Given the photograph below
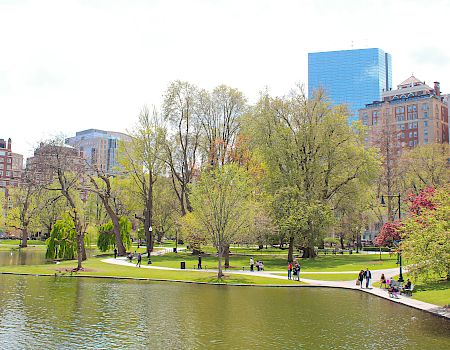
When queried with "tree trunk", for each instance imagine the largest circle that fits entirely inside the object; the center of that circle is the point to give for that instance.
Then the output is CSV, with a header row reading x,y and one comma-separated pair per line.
x,y
227,256
291,249
341,240
219,272
24,243
116,229
79,250
308,253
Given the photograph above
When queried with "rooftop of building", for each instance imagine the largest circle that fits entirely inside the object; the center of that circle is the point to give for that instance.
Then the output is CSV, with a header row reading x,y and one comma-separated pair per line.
x,y
347,51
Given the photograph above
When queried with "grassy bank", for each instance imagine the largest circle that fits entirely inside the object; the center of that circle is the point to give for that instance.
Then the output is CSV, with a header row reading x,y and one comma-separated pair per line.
x,y
330,263
95,267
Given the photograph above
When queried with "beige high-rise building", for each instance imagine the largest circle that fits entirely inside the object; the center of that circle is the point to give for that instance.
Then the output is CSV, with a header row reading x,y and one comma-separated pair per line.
x,y
416,113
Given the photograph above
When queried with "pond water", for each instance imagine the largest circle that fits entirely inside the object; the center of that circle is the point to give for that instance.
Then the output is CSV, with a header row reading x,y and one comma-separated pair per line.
x,y
64,313
87,313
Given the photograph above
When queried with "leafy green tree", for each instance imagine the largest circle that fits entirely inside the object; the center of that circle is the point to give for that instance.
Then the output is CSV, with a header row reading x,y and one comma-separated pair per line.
x,y
62,243
310,152
426,238
425,165
181,111
106,239
221,200
25,208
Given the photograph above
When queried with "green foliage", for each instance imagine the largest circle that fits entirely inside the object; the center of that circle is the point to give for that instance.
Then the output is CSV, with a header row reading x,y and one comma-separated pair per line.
x,y
426,239
62,243
106,240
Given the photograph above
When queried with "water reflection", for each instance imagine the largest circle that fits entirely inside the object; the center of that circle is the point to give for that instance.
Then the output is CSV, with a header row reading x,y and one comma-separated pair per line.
x,y
63,313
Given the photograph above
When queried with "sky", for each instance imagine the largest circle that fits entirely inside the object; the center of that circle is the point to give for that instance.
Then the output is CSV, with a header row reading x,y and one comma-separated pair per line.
x,y
67,66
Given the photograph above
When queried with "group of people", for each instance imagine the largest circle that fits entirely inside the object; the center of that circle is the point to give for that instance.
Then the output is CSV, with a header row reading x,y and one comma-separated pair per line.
x,y
395,287
130,257
259,265
364,275
294,269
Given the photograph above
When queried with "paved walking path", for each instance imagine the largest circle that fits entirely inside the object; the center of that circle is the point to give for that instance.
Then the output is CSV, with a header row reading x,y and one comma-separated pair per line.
x,y
376,274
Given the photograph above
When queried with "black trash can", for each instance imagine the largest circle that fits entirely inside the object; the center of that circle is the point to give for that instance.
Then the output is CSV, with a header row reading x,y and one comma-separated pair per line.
x,y
174,250
182,265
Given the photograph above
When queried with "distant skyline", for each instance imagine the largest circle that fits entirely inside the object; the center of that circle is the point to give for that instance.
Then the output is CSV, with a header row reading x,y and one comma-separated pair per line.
x,y
67,66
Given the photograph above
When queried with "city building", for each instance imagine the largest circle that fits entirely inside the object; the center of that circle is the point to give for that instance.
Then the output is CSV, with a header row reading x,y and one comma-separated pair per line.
x,y
99,148
48,158
415,112
351,77
11,166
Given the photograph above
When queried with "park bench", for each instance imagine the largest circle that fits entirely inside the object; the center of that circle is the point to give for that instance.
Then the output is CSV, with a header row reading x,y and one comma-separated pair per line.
x,y
408,291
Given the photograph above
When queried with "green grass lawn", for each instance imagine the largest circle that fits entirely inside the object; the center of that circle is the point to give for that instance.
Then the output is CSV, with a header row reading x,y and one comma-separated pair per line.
x,y
277,262
95,267
435,292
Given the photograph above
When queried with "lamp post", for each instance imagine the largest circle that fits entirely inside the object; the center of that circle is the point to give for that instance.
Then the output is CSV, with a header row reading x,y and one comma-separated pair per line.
x,y
399,256
150,229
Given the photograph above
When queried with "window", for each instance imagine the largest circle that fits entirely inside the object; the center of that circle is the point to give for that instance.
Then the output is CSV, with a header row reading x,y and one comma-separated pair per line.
x,y
425,115
410,134
2,153
403,126
425,106
8,174
425,141
400,110
410,126
410,143
425,123
425,132
403,135
415,133
415,125
8,160
415,142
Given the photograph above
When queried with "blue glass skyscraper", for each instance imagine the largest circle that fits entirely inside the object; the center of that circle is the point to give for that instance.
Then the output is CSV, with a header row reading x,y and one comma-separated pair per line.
x,y
352,77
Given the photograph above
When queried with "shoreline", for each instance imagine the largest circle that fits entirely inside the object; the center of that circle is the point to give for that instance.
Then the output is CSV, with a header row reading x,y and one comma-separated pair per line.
x,y
415,304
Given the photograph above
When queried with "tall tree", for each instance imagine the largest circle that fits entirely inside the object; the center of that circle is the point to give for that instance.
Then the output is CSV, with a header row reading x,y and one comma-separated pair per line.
x,y
222,206
312,153
101,185
181,110
54,160
25,207
142,161
219,113
425,165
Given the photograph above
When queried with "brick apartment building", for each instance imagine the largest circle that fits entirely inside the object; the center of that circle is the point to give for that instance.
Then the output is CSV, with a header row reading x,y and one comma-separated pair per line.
x,y
48,158
415,111
11,166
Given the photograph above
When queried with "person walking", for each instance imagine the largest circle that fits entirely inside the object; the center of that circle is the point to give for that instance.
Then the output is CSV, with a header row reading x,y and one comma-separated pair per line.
x,y
361,278
252,263
139,259
368,276
299,267
289,271
199,265
115,253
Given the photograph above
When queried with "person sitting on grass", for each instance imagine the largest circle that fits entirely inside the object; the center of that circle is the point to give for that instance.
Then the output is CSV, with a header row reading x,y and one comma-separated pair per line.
x,y
383,281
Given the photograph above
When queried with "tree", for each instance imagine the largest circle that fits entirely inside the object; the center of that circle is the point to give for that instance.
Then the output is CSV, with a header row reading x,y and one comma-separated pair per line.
x,y
62,243
311,152
220,114
101,186
25,208
222,206
426,238
106,239
142,162
389,234
55,161
181,109
425,166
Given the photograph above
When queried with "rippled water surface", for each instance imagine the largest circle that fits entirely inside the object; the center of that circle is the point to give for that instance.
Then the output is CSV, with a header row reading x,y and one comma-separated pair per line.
x,y
82,313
